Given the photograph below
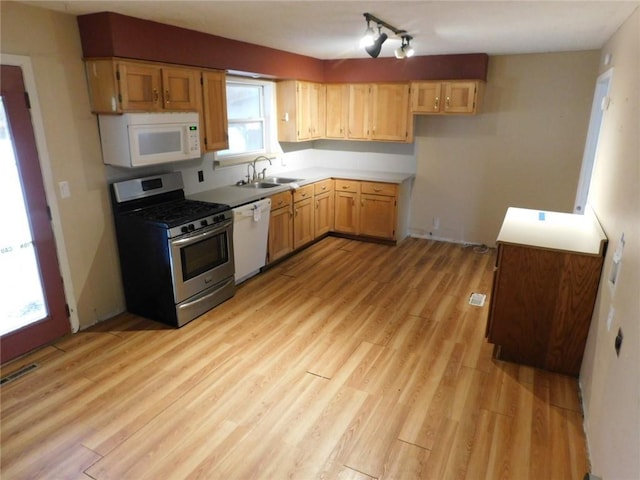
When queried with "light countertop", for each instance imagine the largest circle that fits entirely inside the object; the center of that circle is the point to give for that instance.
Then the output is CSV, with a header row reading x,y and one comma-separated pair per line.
x,y
235,196
553,230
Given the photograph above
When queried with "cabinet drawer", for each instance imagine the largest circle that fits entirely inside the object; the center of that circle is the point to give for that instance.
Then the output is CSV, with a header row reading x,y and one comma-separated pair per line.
x,y
378,188
280,200
347,185
302,193
323,186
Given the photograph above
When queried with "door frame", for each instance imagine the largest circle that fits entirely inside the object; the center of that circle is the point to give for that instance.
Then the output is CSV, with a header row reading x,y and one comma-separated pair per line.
x,y
24,63
589,157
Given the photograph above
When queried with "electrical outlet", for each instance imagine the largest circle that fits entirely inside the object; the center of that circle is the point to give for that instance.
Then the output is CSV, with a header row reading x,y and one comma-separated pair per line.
x,y
436,223
64,189
200,176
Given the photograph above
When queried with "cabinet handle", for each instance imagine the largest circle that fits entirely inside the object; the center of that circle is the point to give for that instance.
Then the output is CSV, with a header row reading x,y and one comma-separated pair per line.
x,y
344,187
362,203
448,102
155,95
324,187
296,212
377,189
317,204
436,105
166,96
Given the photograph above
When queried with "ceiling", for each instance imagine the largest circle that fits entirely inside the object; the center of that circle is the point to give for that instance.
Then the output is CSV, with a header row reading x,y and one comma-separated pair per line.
x,y
332,29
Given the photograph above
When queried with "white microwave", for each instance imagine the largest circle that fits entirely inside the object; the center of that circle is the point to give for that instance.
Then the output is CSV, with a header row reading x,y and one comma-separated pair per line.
x,y
140,139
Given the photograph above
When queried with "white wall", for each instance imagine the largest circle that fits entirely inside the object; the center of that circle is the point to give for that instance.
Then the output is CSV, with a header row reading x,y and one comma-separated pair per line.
x,y
611,384
523,149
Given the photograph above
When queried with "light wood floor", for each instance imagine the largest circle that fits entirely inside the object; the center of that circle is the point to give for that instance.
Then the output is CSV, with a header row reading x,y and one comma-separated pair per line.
x,y
350,360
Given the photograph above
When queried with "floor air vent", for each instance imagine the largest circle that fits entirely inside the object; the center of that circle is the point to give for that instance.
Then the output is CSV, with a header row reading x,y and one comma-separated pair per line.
x,y
477,299
18,373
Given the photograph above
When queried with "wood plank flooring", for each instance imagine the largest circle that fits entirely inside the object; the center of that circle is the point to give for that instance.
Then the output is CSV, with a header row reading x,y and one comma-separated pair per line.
x,y
350,360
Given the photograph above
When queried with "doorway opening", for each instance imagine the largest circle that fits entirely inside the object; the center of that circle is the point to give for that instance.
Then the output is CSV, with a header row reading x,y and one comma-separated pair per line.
x,y
598,107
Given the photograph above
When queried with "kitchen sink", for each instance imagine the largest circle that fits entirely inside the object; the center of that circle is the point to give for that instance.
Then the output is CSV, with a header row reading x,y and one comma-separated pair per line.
x,y
281,180
259,185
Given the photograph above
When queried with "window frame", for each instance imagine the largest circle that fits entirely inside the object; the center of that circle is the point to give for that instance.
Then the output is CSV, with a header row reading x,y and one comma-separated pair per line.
x,y
268,118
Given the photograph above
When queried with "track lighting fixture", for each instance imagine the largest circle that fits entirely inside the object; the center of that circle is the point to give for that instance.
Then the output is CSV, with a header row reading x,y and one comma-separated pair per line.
x,y
405,50
373,44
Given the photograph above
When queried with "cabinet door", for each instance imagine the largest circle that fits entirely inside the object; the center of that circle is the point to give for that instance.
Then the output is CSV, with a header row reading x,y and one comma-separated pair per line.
x,y
377,216
180,88
425,97
103,85
460,97
140,87
337,111
280,233
215,126
390,108
302,222
358,118
303,101
316,110
324,213
347,212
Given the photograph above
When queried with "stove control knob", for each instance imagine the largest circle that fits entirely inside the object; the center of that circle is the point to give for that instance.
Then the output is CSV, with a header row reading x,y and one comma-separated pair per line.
x,y
191,227
184,229
204,223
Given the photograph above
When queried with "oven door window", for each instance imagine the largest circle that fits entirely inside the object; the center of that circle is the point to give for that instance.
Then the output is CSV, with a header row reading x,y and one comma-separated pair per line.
x,y
204,255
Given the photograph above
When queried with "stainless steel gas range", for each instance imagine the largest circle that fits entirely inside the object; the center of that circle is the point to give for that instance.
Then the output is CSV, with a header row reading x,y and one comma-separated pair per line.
x,y
176,255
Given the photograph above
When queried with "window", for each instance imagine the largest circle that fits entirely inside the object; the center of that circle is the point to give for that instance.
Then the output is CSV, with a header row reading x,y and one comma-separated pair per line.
x,y
249,114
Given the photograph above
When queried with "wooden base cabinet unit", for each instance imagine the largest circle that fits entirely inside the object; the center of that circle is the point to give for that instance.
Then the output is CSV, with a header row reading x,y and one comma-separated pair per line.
x,y
347,200
280,226
303,216
378,210
544,289
367,209
324,207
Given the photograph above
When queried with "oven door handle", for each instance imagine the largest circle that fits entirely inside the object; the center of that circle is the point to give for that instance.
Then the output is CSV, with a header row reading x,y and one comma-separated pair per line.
x,y
206,297
201,236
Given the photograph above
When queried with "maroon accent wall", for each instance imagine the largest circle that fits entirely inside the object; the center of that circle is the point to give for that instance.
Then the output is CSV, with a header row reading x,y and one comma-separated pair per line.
x,y
431,67
108,34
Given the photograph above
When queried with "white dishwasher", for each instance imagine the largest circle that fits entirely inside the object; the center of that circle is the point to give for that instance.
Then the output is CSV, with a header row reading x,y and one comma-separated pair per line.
x,y
250,233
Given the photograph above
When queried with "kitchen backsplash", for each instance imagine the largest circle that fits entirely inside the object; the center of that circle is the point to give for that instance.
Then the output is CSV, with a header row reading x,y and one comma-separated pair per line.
x,y
366,156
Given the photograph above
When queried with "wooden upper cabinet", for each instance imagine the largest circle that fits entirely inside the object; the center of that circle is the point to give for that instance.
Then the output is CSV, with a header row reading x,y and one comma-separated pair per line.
x,y
140,87
450,97
301,110
118,86
358,117
379,111
214,111
180,88
337,110
390,108
425,97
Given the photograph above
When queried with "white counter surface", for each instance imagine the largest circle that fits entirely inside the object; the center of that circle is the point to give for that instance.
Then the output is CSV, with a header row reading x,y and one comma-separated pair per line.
x,y
553,230
235,196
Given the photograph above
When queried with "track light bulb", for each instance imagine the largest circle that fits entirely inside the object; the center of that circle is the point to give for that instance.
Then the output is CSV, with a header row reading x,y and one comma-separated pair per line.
x,y
368,38
409,51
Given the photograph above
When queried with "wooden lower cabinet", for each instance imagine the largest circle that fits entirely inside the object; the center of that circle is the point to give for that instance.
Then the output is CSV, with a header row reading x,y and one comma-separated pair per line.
x,y
280,227
303,216
347,216
377,216
324,208
541,306
366,208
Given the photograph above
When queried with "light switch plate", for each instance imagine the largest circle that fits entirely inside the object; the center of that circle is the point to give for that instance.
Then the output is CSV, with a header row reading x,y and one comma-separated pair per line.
x,y
64,189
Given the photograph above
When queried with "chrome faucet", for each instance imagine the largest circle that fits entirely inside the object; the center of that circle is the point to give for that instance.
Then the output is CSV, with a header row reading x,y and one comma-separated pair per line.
x,y
255,176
